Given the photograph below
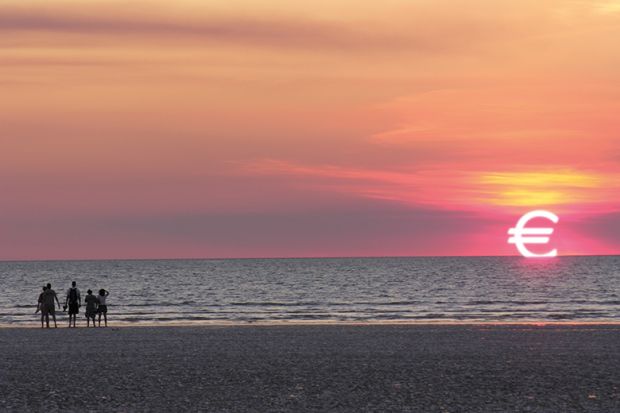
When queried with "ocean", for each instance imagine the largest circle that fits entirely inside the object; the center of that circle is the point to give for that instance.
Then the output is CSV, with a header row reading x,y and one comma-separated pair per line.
x,y
420,289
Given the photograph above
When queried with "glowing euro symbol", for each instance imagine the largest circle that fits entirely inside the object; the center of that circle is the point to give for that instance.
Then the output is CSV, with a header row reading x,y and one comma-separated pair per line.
x,y
519,233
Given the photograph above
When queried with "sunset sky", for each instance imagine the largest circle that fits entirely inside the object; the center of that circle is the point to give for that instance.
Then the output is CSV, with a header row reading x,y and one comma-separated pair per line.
x,y
276,128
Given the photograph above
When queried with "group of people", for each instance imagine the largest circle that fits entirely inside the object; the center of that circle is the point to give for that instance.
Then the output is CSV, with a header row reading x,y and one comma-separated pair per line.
x,y
95,305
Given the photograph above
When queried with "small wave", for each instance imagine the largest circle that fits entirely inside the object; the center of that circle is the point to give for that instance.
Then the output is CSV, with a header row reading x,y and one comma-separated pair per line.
x,y
160,304
495,302
385,303
481,302
272,303
561,316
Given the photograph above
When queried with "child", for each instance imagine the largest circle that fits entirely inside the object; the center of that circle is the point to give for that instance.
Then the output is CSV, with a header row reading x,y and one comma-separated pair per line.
x,y
103,308
91,307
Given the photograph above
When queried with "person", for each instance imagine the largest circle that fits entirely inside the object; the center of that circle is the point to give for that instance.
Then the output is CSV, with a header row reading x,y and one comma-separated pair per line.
x,y
91,307
39,304
74,301
103,308
47,306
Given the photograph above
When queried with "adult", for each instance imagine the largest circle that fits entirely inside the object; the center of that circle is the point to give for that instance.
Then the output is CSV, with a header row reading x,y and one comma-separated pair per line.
x,y
74,301
103,308
40,304
91,307
48,307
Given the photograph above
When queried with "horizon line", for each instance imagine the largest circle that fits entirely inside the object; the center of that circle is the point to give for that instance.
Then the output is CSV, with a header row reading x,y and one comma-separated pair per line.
x,y
295,257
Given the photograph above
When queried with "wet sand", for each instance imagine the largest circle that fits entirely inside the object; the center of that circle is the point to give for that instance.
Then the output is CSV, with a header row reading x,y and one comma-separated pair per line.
x,y
352,368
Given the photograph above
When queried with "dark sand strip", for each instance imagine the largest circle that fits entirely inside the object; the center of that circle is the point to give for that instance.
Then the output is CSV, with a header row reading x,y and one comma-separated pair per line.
x,y
434,368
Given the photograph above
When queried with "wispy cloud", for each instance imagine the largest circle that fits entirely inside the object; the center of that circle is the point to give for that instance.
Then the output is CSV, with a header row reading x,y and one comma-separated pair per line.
x,y
460,188
417,29
575,190
257,30
274,32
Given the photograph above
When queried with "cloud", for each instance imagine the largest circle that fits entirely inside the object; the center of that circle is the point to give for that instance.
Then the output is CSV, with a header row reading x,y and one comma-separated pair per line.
x,y
251,30
401,186
220,28
459,187
417,28
602,229
532,124
359,229
607,7
606,226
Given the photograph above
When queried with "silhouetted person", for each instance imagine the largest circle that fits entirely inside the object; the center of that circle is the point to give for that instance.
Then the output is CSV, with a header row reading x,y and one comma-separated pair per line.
x,y
74,301
47,306
40,304
103,308
91,307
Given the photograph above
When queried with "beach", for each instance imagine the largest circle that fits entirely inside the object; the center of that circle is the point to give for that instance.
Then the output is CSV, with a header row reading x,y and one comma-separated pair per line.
x,y
348,368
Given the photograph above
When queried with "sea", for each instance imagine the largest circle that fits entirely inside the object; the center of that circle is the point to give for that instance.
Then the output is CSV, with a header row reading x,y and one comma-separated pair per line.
x,y
345,290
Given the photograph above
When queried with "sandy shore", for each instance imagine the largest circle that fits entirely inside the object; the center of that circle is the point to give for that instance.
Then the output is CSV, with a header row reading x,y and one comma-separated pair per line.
x,y
435,368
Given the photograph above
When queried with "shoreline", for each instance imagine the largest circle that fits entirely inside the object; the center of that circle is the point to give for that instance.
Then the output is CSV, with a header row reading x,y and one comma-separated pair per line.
x,y
301,323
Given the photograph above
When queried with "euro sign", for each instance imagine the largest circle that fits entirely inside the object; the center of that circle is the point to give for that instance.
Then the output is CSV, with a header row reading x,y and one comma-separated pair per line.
x,y
521,235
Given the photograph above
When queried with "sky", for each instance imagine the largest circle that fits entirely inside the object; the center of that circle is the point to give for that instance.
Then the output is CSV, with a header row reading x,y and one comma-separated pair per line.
x,y
197,129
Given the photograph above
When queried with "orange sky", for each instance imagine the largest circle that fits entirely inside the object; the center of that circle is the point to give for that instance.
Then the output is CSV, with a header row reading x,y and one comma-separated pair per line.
x,y
278,128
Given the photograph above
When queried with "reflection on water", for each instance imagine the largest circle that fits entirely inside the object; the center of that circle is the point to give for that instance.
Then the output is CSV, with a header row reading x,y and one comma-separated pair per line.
x,y
345,289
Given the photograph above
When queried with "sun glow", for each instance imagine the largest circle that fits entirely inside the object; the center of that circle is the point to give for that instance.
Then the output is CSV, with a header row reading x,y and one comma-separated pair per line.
x,y
518,189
